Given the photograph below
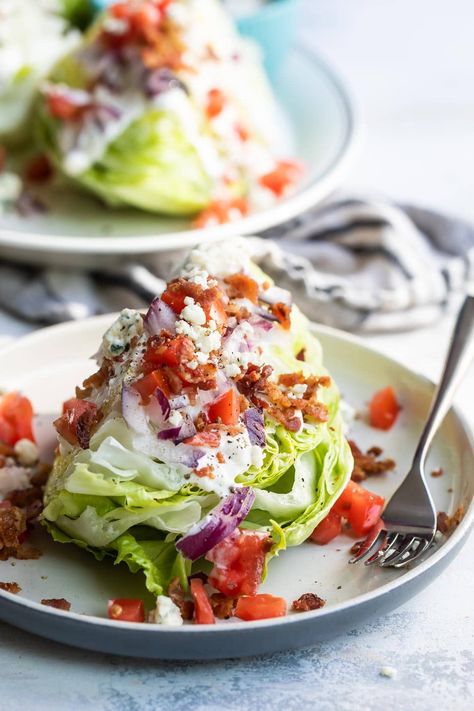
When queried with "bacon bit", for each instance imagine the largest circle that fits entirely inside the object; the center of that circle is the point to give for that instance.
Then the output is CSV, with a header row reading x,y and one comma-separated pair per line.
x,y
301,355
220,457
12,526
205,471
39,170
27,553
13,588
223,607
366,465
242,132
3,158
308,601
41,474
176,593
239,312
446,524
242,286
254,380
437,472
6,450
96,380
25,497
208,438
58,603
282,311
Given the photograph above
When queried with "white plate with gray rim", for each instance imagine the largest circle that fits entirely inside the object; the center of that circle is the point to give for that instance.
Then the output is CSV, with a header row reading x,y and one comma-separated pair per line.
x,y
48,364
321,120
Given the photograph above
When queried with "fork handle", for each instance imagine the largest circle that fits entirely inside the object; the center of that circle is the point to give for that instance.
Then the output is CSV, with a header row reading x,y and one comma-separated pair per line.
x,y
458,360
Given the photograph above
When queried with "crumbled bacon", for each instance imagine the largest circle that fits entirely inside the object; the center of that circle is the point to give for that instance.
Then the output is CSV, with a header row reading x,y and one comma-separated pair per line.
x,y
223,607
96,380
220,457
368,464
205,471
446,524
241,286
301,355
13,588
58,603
308,601
437,472
282,311
254,380
12,526
176,593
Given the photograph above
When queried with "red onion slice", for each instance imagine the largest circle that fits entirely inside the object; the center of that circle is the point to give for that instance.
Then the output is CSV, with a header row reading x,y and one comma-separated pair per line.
x,y
172,433
217,525
163,402
159,317
253,419
276,295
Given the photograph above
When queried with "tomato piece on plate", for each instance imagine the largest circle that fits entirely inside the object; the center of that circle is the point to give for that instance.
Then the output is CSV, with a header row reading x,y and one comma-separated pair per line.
x,y
126,609
226,408
62,107
361,507
327,529
221,211
215,103
260,607
203,614
384,408
238,562
16,418
285,174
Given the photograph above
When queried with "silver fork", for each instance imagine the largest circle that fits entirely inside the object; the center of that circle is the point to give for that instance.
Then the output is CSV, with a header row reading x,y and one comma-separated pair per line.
x,y
409,519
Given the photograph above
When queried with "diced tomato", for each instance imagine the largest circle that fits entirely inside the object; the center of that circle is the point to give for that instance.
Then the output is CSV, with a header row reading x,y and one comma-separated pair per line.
x,y
285,174
221,211
384,408
362,508
61,106
238,562
121,10
174,299
126,610
242,132
73,410
204,439
203,614
215,102
147,385
39,169
173,353
226,408
260,607
16,418
327,529
147,15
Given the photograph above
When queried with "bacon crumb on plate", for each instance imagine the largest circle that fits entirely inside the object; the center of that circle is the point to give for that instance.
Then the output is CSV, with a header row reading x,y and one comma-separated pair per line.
x,y
223,607
369,464
446,524
437,472
58,603
13,588
308,601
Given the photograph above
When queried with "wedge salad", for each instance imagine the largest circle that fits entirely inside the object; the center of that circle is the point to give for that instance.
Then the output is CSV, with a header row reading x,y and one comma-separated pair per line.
x,y
164,107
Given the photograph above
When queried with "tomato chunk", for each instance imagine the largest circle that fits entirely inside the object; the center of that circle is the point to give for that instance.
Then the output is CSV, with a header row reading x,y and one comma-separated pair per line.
x,y
362,508
204,439
221,211
327,529
174,299
126,609
203,614
226,408
285,174
173,353
62,107
260,607
147,385
384,408
238,562
16,418
215,102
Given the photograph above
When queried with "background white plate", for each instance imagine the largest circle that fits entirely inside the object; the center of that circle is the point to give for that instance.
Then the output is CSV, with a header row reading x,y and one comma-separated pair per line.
x,y
48,364
321,118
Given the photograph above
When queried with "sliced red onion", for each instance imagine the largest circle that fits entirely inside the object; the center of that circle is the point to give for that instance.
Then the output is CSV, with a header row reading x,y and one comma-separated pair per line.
x,y
179,401
161,80
276,295
217,525
266,315
132,410
163,402
253,419
187,428
259,322
158,317
193,456
173,433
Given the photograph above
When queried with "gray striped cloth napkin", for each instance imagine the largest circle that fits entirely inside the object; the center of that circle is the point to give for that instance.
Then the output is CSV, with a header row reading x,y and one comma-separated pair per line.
x,y
360,264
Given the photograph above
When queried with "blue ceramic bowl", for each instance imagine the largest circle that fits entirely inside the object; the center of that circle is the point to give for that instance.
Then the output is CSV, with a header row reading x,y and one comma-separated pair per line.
x,y
272,27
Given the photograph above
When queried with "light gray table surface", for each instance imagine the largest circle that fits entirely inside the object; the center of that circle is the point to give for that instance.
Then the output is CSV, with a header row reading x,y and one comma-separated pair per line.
x,y
411,65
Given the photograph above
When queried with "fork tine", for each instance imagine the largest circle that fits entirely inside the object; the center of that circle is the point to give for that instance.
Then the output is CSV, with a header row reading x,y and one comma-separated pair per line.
x,y
384,549
406,544
368,547
420,549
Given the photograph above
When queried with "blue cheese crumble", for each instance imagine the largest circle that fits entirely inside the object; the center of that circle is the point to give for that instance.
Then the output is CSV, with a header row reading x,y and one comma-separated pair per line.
x,y
118,337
